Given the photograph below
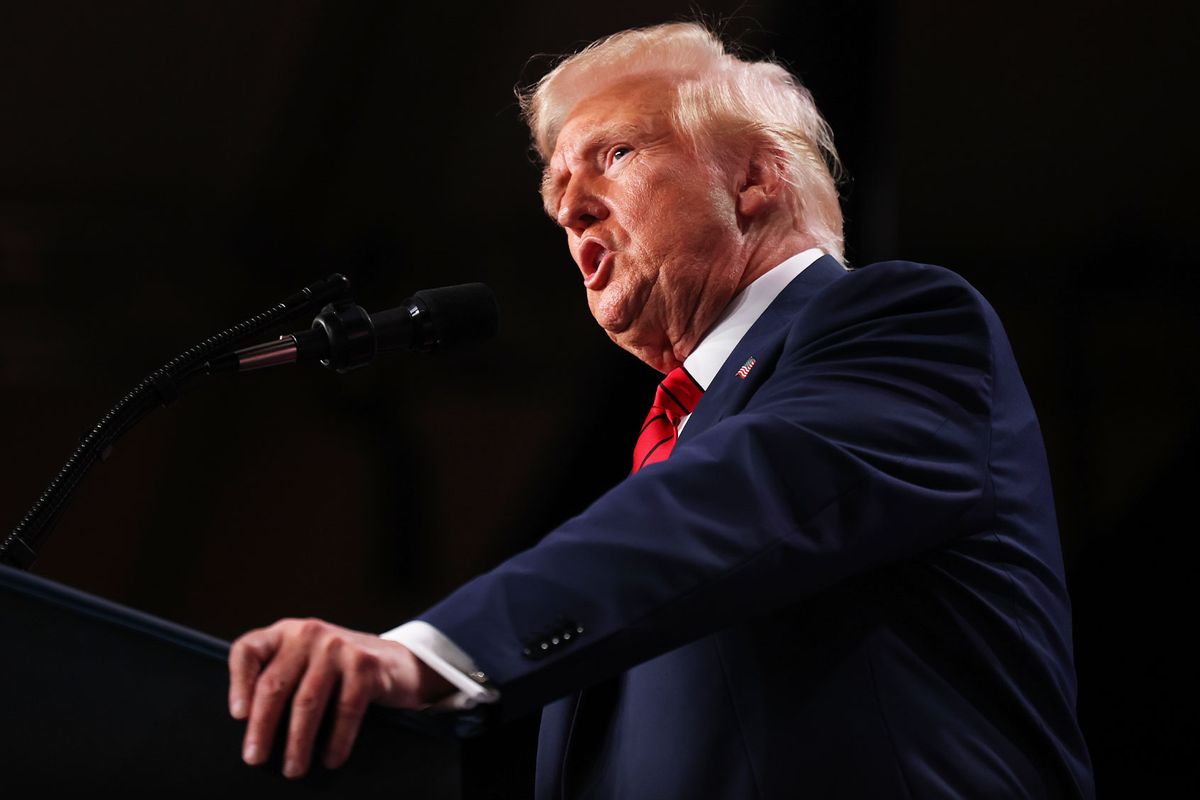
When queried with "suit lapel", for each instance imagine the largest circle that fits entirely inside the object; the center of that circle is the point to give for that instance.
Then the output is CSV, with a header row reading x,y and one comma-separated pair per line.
x,y
729,391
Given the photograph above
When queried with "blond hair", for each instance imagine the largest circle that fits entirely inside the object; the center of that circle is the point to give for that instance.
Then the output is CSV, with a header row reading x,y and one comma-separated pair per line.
x,y
721,101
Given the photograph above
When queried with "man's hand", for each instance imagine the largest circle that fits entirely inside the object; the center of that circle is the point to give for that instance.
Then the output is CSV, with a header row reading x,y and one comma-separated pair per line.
x,y
306,661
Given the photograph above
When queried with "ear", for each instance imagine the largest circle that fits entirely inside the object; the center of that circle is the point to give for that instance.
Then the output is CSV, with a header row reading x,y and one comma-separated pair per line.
x,y
760,184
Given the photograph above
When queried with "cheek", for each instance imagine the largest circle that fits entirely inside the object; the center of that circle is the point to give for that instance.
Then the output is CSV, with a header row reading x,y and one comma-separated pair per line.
x,y
659,232
660,228
647,201
680,214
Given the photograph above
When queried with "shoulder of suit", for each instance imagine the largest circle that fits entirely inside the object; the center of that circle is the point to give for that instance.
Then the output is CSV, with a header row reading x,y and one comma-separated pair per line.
x,y
904,277
890,288
911,268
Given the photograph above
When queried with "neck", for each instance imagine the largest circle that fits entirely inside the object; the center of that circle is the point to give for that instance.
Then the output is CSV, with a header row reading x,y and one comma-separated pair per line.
x,y
763,253
769,252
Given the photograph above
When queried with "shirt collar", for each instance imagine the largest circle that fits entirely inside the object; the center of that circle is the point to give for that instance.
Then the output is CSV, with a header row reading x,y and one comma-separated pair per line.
x,y
741,313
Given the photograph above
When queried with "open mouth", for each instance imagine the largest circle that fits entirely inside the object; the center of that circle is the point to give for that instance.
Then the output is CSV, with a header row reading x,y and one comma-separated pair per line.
x,y
594,261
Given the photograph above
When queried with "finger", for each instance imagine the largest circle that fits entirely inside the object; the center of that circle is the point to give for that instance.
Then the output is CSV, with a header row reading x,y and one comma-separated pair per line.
x,y
247,656
271,693
308,707
353,698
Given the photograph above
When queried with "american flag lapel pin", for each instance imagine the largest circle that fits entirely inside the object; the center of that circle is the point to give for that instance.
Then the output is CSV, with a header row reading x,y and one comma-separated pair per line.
x,y
745,368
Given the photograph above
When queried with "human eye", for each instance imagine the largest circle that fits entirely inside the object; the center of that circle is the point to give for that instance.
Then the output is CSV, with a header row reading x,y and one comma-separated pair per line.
x,y
617,153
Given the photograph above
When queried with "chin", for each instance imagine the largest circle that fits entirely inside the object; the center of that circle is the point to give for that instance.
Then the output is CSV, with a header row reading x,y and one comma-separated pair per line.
x,y
613,314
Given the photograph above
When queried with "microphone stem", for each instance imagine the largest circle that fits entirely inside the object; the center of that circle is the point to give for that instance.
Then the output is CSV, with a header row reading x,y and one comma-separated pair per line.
x,y
267,354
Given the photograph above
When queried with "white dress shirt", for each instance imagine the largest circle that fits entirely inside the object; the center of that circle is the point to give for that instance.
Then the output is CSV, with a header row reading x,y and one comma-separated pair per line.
x,y
442,655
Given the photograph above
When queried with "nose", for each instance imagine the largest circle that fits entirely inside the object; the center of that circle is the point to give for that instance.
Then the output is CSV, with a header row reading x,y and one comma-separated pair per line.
x,y
581,206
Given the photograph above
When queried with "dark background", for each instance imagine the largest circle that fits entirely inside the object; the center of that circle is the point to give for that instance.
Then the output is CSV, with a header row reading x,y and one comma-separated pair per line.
x,y
167,169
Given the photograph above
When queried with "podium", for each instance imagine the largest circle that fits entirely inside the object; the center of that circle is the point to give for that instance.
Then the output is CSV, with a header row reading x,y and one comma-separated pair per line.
x,y
96,696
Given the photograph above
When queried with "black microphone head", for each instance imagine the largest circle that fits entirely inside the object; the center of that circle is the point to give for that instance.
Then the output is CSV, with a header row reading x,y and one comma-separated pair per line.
x,y
459,314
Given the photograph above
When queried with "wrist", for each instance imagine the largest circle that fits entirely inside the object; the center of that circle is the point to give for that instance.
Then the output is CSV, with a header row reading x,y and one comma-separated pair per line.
x,y
428,685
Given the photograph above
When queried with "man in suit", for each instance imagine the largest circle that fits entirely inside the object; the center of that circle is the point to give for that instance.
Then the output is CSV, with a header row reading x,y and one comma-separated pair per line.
x,y
834,571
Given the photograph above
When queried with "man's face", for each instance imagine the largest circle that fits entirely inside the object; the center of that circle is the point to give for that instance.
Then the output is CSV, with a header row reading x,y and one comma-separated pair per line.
x,y
651,226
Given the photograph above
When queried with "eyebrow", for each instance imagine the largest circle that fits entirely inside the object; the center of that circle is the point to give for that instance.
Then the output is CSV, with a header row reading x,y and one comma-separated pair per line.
x,y
549,182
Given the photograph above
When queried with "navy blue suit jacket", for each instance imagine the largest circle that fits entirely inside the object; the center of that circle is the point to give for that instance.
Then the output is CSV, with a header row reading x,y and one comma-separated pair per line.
x,y
846,581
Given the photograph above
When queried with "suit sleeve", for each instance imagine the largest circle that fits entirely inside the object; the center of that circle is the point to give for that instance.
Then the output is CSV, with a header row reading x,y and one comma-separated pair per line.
x,y
865,442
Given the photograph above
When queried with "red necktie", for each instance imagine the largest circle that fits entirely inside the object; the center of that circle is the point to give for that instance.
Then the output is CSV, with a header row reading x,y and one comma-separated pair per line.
x,y
677,395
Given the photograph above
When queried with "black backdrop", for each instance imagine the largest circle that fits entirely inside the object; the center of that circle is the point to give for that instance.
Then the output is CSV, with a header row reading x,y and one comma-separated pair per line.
x,y
169,168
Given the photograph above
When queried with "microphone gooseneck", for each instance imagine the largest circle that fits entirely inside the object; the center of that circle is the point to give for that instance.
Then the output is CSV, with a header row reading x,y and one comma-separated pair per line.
x,y
342,337
21,546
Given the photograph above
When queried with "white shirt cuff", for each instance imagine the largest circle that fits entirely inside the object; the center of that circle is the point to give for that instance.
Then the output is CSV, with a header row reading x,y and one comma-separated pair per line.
x,y
446,659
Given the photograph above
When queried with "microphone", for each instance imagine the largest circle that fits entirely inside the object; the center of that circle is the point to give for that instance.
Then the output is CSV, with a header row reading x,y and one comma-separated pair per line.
x,y
344,336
